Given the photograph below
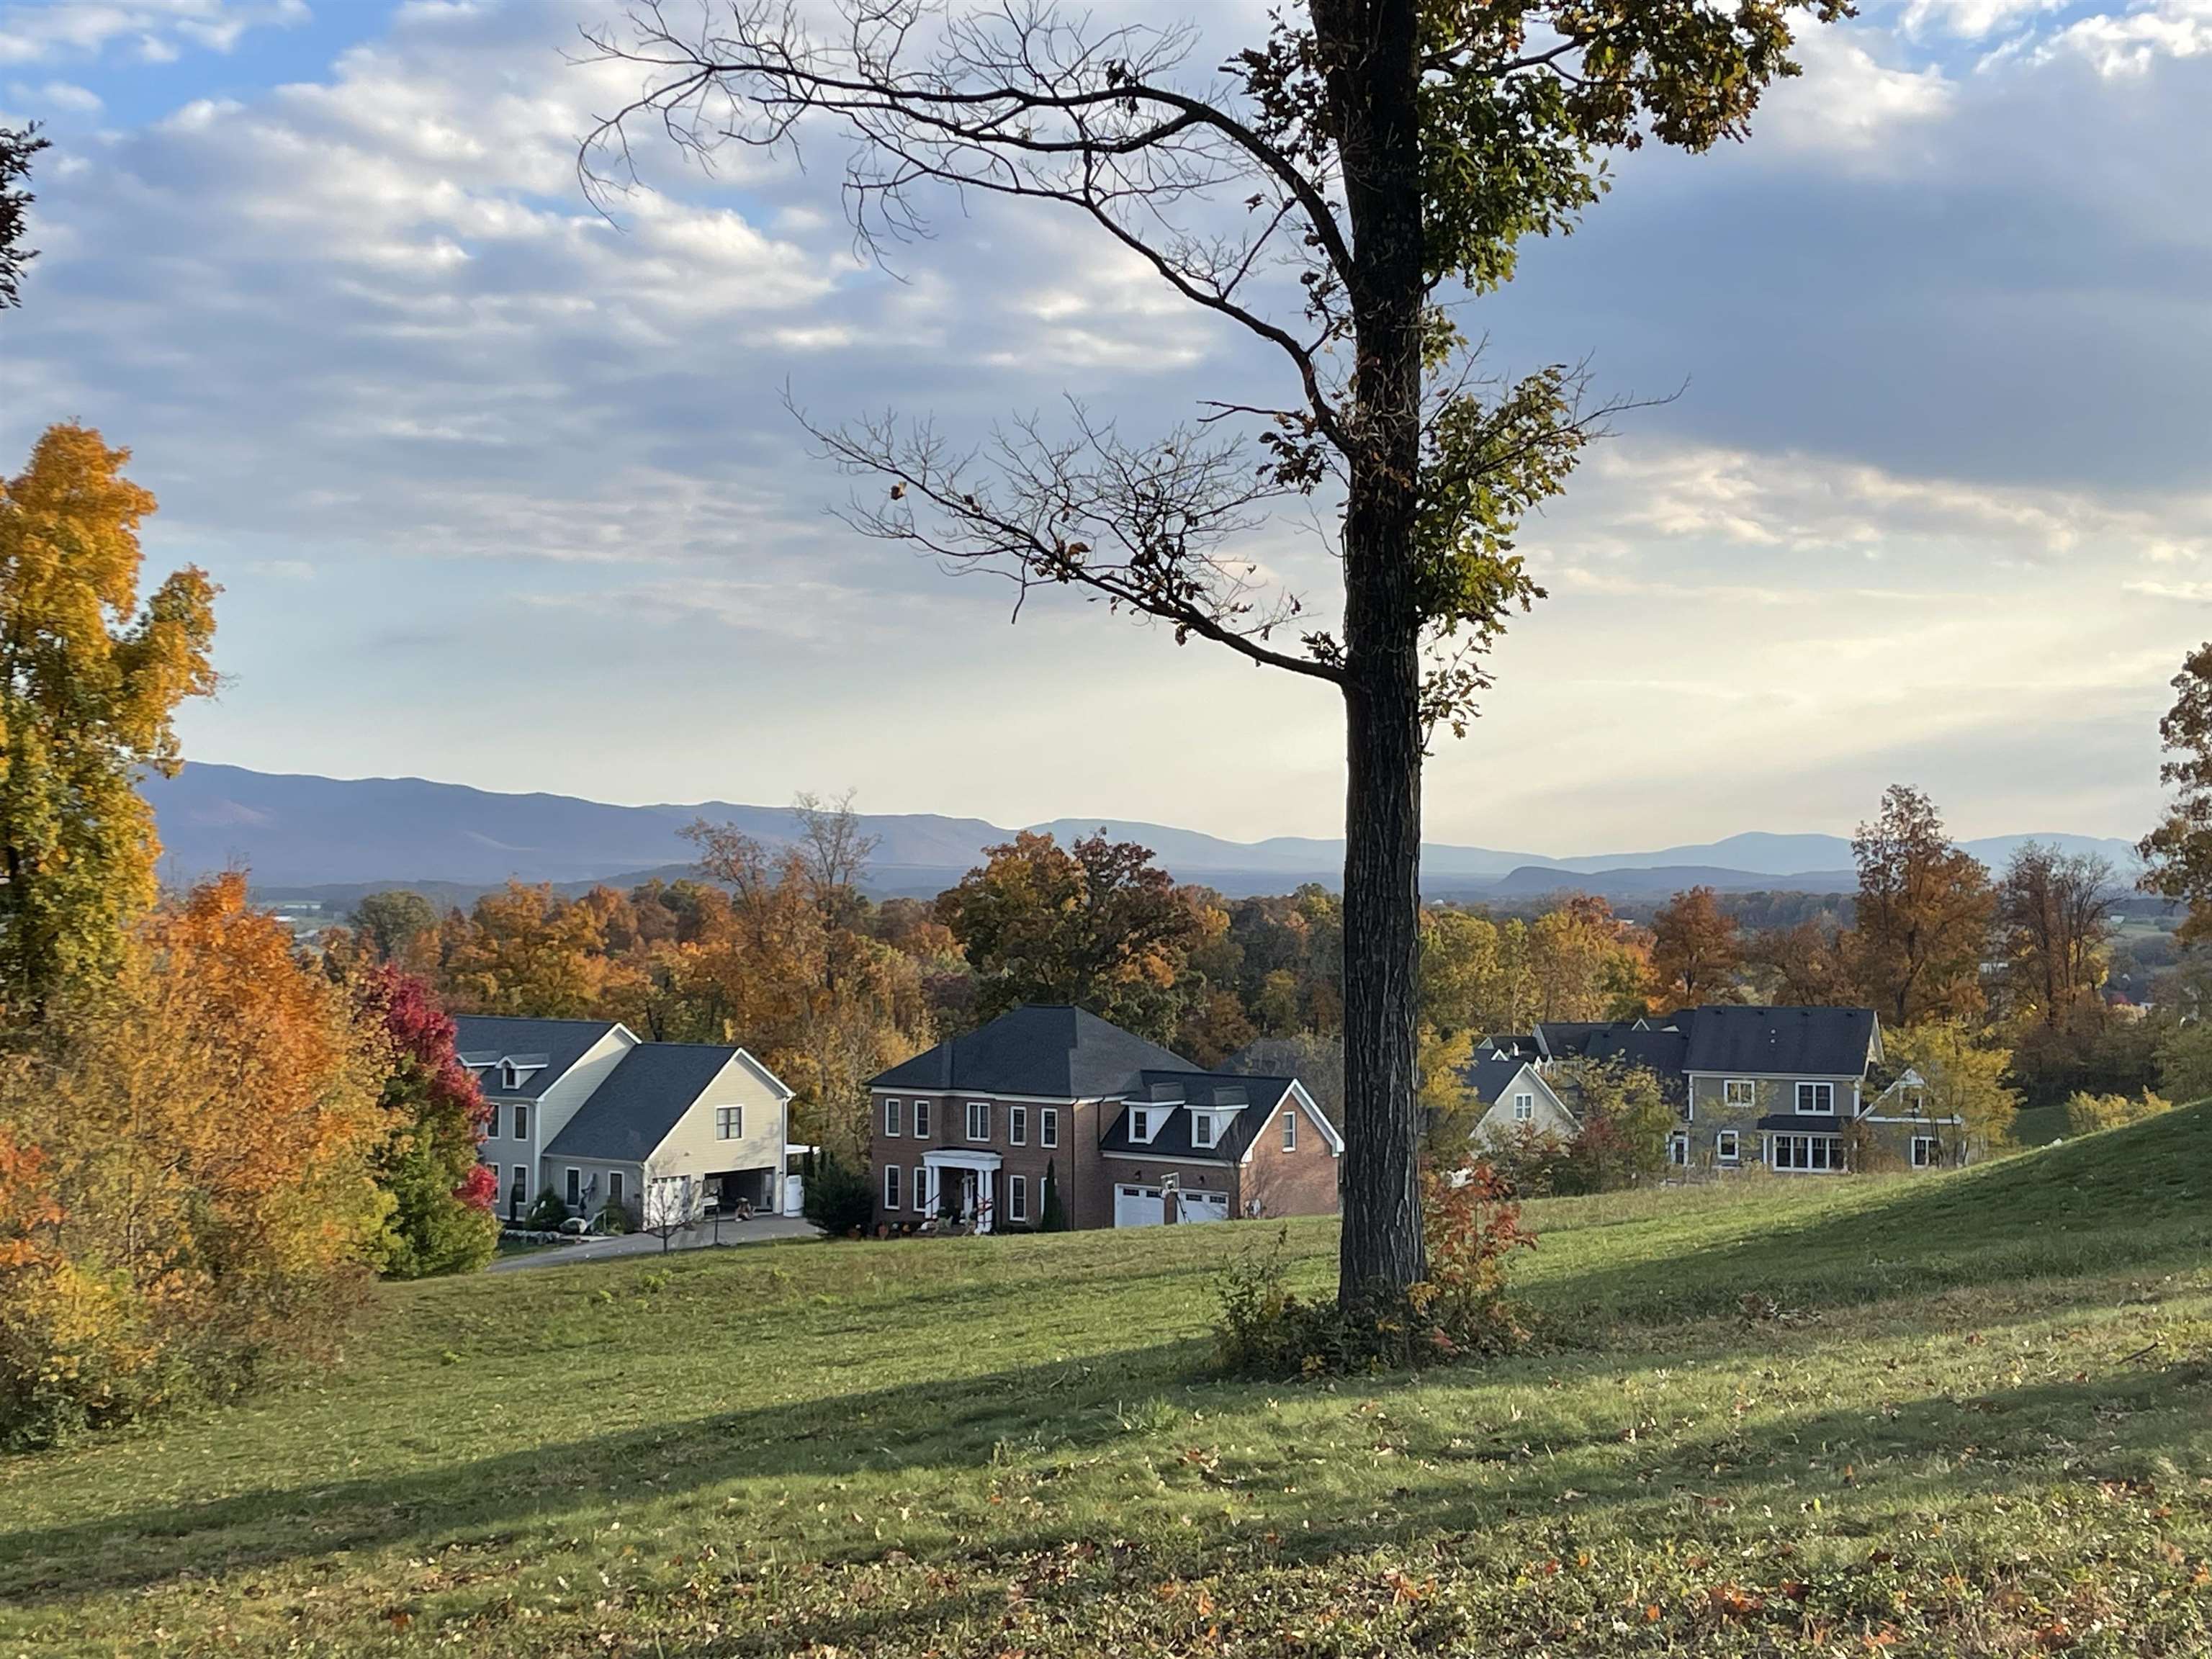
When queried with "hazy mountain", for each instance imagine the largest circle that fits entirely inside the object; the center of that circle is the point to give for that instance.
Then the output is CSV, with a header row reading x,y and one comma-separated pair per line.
x,y
299,831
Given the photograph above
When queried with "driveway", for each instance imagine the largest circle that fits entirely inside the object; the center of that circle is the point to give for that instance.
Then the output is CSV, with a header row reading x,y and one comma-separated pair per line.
x,y
761,1230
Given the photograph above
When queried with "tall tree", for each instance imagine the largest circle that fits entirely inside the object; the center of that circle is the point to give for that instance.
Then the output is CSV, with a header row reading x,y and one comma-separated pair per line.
x,y
1696,952
1921,925
398,927
90,681
1390,154
2055,914
1099,925
17,146
2178,855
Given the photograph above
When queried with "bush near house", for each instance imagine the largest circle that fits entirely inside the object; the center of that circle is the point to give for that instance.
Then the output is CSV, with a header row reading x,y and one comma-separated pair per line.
x,y
839,1198
2087,1114
546,1212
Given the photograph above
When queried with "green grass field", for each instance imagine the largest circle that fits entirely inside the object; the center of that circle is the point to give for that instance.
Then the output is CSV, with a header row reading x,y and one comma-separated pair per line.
x,y
1965,1414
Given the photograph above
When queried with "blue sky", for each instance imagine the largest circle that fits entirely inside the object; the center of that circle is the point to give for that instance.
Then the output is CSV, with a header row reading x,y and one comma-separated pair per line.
x,y
502,494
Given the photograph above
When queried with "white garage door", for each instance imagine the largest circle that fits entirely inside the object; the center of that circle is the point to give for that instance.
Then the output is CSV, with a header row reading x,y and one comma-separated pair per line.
x,y
1137,1207
1202,1206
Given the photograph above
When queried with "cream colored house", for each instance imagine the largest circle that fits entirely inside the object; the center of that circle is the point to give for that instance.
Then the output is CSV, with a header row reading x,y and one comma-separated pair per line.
x,y
585,1109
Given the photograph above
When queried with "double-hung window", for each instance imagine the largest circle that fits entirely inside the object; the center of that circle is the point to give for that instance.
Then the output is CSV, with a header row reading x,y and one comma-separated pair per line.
x,y
1205,1129
1677,1150
575,1188
921,1120
729,1123
522,1123
1018,1199
979,1119
1141,1124
1048,1126
1728,1146
1816,1099
1924,1151
920,1189
890,1186
1017,1126
1738,1094
890,1117
1524,1108
1290,1129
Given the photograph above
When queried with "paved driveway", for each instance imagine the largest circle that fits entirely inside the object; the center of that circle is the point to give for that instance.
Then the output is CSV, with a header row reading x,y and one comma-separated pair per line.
x,y
761,1230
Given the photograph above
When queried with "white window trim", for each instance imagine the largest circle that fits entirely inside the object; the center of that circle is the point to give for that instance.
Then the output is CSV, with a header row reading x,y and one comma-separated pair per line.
x,y
1140,1124
614,1185
918,1197
1805,1088
1290,1128
1751,1094
1211,1137
1677,1150
1777,1139
521,1121
1018,1198
572,1181
921,1120
890,1186
891,1118
1925,1151
1728,1146
1017,1126
979,1111
1524,1107
1048,1126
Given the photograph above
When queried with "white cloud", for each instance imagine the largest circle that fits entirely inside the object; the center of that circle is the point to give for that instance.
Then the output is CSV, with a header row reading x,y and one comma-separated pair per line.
x,y
60,95
2128,43
32,34
1848,100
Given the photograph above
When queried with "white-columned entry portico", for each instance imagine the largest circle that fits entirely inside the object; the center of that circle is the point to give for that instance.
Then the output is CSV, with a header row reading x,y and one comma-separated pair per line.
x,y
968,1179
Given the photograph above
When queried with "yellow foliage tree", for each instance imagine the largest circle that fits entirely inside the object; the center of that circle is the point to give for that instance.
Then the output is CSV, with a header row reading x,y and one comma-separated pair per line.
x,y
90,681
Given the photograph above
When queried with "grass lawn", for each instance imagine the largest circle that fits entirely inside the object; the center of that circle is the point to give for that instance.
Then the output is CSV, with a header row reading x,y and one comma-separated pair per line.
x,y
1965,1414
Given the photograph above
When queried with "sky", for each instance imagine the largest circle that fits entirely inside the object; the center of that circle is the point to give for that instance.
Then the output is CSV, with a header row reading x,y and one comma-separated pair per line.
x,y
502,491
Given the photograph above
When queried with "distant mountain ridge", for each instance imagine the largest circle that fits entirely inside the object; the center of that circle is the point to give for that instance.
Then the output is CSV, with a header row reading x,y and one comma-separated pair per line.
x,y
293,830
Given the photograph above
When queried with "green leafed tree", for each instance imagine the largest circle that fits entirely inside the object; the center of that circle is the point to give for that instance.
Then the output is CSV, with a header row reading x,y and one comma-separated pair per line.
x,y
90,679
1333,187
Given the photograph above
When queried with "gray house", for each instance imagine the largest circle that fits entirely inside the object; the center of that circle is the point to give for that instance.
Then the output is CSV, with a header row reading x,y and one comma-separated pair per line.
x,y
1797,1091
584,1108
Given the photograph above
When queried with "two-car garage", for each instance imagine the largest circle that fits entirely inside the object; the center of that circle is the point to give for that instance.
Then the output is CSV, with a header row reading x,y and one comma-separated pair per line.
x,y
1138,1205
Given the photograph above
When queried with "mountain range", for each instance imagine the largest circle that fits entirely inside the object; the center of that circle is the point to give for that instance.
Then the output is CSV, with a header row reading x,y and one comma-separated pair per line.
x,y
298,833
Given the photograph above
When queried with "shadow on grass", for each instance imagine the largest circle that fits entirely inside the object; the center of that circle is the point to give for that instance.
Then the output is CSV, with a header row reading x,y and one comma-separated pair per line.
x,y
1045,1412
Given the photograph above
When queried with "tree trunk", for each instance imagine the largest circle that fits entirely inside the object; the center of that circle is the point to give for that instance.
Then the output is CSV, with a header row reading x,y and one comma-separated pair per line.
x,y
1368,47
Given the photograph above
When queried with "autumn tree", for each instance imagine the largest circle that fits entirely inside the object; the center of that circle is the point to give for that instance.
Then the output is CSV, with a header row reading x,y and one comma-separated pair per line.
x,y
400,927
1099,925
2054,915
1585,963
1390,156
2177,855
1921,925
1965,1079
442,1196
526,950
205,1127
17,146
1696,951
1801,965
90,679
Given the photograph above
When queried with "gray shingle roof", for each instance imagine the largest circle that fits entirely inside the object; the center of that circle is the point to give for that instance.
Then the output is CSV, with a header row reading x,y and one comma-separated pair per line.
x,y
1048,1050
552,1045
1491,1075
1801,1042
632,1112
1180,1092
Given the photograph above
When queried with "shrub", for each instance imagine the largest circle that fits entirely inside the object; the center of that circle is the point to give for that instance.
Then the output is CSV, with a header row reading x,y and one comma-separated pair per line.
x,y
546,1211
1528,1160
1460,1310
614,1217
839,1198
2087,1114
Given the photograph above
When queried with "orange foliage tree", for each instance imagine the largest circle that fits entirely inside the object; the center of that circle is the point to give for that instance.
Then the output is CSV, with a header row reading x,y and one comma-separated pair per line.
x,y
203,1189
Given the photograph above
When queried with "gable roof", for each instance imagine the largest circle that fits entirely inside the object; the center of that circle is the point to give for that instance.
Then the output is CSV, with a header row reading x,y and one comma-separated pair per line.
x,y
1664,1050
631,1113
551,1045
1048,1050
1806,1042
1255,1100
1491,1075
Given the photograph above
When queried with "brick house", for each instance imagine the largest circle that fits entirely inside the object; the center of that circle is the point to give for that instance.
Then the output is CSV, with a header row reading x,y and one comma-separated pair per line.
x,y
1133,1134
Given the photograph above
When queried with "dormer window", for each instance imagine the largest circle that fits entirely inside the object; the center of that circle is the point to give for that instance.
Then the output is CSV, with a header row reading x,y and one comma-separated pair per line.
x,y
509,1074
1141,1124
1205,1129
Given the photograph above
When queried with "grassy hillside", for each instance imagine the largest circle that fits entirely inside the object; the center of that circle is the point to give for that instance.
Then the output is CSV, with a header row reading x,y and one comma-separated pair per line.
x,y
1963,1414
